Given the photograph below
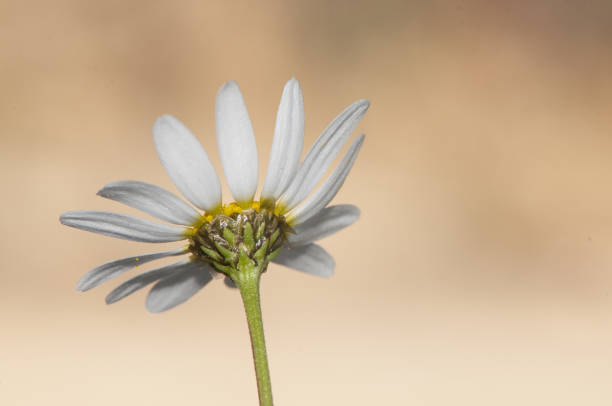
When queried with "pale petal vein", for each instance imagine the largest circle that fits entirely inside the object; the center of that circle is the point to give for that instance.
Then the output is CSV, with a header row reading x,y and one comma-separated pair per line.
x,y
329,221
330,187
288,142
178,287
122,226
109,270
311,258
151,199
187,163
138,282
236,143
322,153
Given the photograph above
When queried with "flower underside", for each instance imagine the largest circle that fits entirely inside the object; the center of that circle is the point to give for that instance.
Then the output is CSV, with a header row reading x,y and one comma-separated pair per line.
x,y
236,238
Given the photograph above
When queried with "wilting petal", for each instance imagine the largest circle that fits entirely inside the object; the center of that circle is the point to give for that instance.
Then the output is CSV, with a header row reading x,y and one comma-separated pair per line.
x,y
288,142
329,221
322,153
328,190
236,143
138,282
187,163
178,287
310,258
115,268
152,200
122,226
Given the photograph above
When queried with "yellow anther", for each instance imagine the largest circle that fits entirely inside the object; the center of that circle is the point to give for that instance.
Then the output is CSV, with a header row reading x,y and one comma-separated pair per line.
x,y
231,208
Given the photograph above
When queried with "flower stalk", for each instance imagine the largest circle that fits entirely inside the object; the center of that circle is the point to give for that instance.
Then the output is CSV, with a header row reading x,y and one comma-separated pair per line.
x,y
247,279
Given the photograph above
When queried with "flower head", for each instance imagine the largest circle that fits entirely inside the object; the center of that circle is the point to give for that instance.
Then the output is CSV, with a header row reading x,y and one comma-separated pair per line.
x,y
280,227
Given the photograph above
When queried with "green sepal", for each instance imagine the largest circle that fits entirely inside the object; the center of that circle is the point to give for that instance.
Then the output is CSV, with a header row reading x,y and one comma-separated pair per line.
x,y
274,253
274,237
260,254
229,236
260,231
245,263
211,253
226,269
229,256
247,236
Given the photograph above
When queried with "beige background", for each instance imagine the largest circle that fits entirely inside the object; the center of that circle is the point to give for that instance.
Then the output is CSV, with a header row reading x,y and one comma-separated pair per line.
x,y
479,274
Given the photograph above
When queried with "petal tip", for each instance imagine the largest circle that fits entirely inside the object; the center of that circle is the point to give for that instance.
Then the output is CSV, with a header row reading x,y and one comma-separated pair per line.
x,y
361,107
228,86
82,286
165,120
151,310
330,271
155,306
161,120
64,218
356,212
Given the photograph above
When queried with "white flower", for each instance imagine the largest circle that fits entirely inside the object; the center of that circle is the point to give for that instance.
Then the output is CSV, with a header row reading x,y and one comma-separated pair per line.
x,y
282,226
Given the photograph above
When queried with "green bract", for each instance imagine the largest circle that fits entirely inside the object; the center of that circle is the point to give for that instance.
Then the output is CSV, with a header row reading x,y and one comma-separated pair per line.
x,y
248,238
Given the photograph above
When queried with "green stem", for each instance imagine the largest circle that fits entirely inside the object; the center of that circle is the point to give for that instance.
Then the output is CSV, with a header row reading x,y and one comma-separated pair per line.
x,y
248,283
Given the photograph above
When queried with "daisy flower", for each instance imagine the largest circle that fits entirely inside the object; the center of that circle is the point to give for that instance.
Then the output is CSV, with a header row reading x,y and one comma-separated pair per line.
x,y
237,239
278,228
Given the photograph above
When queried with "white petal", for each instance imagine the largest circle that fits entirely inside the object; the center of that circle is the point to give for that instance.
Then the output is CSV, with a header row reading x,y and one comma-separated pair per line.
x,y
122,226
322,153
187,163
115,268
311,258
329,221
236,143
288,142
328,190
178,287
152,200
138,282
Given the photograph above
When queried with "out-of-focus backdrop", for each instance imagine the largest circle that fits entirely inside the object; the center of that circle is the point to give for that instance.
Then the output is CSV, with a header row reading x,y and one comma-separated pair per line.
x,y
480,272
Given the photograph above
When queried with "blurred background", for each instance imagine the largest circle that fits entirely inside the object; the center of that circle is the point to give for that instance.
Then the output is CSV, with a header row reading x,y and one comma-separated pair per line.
x,y
480,272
